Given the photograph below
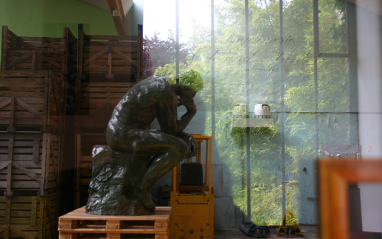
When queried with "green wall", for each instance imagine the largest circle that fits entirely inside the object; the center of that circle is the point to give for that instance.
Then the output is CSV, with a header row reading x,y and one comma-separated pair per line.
x,y
47,18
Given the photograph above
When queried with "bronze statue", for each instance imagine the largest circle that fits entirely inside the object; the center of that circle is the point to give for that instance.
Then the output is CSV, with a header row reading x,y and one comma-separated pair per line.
x,y
136,157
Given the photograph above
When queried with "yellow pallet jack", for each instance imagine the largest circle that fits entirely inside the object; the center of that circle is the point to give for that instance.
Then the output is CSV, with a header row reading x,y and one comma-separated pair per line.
x,y
289,226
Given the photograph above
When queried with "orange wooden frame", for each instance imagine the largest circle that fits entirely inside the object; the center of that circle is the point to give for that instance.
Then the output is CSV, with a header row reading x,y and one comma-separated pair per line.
x,y
334,177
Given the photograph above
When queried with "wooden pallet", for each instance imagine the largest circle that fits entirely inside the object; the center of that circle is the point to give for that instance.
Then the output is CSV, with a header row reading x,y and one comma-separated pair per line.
x,y
29,163
110,58
28,217
84,146
96,103
78,224
39,53
31,99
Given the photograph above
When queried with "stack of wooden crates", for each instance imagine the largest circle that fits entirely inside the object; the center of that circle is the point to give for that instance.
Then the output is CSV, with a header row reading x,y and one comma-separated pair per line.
x,y
35,79
44,84
108,67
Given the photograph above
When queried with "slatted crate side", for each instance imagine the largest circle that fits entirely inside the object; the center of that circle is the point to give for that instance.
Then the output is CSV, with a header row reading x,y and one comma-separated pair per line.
x,y
110,57
140,55
23,98
51,153
48,228
35,59
84,146
86,142
57,99
31,99
28,217
14,111
122,58
22,167
10,41
85,170
97,101
36,53
86,123
29,162
43,54
98,94
70,42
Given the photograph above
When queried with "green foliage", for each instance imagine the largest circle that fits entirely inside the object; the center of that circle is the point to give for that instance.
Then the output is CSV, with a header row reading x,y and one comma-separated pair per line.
x,y
190,78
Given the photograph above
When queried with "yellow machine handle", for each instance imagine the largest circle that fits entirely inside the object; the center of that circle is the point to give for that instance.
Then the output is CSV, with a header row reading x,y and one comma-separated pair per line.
x,y
294,185
287,193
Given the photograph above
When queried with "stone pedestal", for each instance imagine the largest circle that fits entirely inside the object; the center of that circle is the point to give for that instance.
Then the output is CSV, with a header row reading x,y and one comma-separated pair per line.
x,y
115,176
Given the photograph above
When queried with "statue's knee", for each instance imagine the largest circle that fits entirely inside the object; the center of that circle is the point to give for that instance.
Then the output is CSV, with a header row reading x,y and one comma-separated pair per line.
x,y
182,148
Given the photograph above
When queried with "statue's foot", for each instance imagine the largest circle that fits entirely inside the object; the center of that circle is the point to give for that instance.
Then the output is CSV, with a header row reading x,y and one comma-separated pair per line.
x,y
145,198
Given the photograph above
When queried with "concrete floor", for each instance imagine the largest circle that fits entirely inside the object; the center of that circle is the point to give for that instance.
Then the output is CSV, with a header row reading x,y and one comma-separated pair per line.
x,y
308,232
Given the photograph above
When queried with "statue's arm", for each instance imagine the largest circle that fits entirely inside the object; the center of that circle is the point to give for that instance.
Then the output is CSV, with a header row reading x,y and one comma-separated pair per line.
x,y
168,117
186,118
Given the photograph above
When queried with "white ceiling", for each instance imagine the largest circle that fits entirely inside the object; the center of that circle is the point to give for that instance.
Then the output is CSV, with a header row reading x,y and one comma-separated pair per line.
x,y
371,5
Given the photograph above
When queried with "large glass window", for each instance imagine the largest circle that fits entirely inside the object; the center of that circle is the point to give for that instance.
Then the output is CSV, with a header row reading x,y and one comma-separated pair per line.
x,y
291,55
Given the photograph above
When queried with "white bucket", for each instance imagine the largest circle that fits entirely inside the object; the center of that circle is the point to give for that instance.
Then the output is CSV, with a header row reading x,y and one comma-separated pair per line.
x,y
262,111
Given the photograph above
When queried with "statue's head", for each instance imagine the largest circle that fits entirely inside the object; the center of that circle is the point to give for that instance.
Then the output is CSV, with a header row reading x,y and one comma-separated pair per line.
x,y
191,79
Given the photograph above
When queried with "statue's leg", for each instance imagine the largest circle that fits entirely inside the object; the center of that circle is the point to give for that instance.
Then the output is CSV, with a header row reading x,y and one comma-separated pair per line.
x,y
167,152
172,151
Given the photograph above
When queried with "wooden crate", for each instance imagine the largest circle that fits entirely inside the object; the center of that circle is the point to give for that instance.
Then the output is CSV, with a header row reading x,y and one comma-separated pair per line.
x,y
39,53
29,163
96,103
28,217
78,224
110,58
33,99
84,146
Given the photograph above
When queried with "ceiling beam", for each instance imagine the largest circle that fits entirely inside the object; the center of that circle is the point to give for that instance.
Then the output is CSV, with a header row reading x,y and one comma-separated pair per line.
x,y
118,8
117,16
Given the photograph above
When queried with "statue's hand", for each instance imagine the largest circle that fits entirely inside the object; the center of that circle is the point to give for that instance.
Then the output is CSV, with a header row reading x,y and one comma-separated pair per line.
x,y
192,147
188,103
191,144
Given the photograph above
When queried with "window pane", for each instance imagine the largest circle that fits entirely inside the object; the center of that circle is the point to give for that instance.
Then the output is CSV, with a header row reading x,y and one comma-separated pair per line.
x,y
332,26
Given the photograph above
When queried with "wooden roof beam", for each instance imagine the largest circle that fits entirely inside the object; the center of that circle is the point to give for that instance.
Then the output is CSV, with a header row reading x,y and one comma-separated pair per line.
x,y
119,9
